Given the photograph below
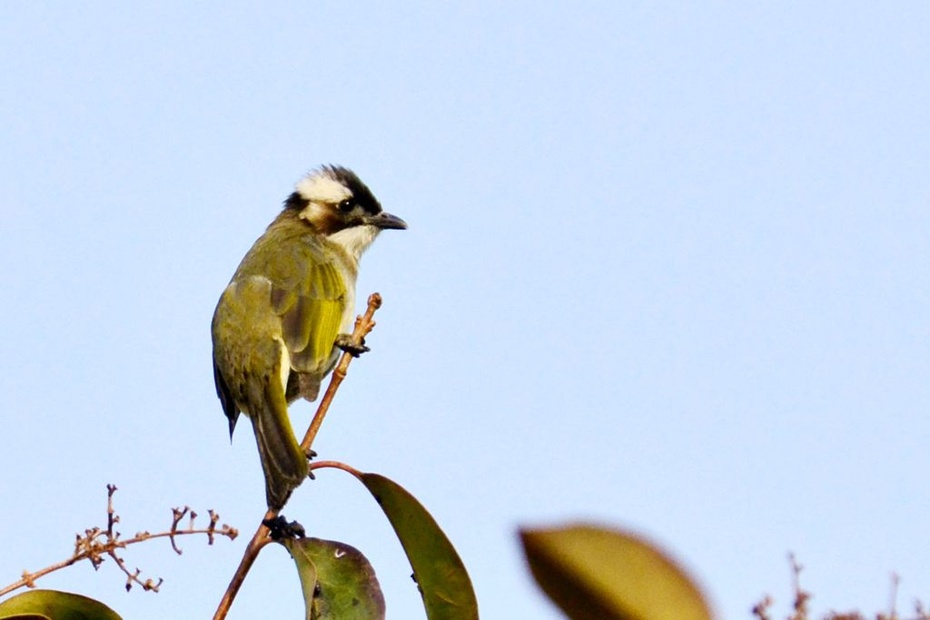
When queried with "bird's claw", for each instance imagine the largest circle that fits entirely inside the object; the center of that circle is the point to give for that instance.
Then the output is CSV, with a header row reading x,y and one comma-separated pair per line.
x,y
350,345
310,454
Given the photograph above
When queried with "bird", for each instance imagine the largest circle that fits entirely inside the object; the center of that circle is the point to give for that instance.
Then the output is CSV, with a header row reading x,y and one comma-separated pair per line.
x,y
280,324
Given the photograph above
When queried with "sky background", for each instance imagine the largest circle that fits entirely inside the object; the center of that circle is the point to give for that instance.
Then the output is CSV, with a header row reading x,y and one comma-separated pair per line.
x,y
666,270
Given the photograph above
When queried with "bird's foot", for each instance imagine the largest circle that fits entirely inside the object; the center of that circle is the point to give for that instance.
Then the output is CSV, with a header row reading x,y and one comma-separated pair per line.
x,y
279,528
350,345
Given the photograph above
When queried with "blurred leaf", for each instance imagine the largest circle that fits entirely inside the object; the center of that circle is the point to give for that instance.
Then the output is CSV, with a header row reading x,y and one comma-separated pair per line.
x,y
337,580
441,576
594,573
56,606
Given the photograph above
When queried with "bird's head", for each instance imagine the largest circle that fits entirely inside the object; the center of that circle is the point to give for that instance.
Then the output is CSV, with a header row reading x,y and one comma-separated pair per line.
x,y
338,205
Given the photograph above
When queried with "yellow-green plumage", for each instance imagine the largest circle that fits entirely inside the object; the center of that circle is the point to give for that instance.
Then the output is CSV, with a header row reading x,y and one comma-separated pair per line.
x,y
273,334
276,325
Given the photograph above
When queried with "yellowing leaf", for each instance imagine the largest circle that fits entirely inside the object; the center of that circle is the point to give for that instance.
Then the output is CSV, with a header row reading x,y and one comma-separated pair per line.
x,y
594,573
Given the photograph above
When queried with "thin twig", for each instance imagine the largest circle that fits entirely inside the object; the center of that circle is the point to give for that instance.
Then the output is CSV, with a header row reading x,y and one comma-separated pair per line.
x,y
211,529
800,596
363,326
177,514
895,583
259,540
97,543
336,465
761,609
112,517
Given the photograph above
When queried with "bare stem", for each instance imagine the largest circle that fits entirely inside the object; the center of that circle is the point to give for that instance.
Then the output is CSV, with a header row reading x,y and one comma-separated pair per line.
x,y
336,465
29,579
895,583
97,543
363,326
800,596
259,540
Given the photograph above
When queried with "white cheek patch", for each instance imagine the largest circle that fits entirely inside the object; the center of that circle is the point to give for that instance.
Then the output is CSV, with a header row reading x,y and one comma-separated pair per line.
x,y
322,188
356,239
313,212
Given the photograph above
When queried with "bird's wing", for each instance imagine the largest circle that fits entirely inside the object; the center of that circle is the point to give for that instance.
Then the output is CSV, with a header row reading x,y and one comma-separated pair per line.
x,y
251,367
309,295
311,313
230,410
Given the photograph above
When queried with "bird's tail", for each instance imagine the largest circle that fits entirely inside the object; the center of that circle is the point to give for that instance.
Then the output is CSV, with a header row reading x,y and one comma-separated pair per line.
x,y
283,461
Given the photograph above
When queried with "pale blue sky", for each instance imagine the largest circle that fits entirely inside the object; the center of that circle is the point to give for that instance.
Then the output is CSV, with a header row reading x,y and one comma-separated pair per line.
x,y
666,269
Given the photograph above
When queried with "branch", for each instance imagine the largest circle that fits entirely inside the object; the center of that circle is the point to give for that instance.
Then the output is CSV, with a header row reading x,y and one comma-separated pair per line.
x,y
363,326
96,543
337,465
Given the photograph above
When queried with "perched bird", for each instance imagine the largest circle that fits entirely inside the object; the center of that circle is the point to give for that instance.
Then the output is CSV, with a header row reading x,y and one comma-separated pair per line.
x,y
279,325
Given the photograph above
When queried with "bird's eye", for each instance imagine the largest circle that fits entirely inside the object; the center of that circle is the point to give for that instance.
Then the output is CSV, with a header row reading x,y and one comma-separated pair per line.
x,y
346,205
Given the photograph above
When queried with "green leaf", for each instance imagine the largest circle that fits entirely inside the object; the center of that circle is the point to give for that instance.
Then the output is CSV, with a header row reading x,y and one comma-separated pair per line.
x,y
594,573
306,570
55,606
337,580
438,570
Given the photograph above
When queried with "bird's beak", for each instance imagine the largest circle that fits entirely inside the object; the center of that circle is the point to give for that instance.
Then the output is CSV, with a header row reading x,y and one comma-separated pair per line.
x,y
385,220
